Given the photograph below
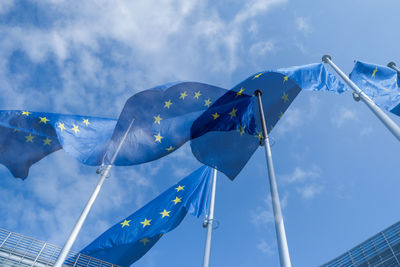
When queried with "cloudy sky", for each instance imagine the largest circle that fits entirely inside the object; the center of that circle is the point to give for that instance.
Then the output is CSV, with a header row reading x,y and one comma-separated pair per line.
x,y
336,165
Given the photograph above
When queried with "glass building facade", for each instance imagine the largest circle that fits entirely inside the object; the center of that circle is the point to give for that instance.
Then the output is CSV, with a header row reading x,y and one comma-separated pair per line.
x,y
382,250
19,250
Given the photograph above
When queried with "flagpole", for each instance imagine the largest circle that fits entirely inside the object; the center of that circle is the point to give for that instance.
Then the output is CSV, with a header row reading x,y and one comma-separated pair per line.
x,y
358,93
276,206
78,225
392,65
209,222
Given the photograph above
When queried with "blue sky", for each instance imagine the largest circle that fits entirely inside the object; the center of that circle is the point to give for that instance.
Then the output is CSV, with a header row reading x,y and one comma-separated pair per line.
x,y
336,165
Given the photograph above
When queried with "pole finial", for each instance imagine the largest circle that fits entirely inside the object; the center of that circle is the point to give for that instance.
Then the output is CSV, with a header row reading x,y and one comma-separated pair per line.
x,y
325,58
391,64
258,92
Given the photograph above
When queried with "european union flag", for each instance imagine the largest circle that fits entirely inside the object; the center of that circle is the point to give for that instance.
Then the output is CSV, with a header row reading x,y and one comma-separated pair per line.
x,y
230,151
380,83
128,240
26,137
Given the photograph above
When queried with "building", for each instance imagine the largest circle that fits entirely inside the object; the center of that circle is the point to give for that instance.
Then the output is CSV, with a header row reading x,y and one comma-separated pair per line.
x,y
19,250
383,249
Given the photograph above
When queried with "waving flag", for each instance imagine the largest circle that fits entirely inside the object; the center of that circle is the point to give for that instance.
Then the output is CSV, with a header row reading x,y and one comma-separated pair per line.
x,y
224,125
380,83
26,137
128,240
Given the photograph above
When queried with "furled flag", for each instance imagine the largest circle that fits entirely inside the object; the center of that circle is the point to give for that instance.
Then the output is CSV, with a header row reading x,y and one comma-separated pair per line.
x,y
128,240
26,137
380,83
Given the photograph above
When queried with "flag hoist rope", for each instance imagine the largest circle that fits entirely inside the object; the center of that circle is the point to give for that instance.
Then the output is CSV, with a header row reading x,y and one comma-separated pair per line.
x,y
210,220
276,206
78,225
358,93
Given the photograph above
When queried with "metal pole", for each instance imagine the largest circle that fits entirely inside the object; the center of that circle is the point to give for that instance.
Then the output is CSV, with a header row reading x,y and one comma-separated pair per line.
x,y
392,65
78,225
210,219
359,94
276,206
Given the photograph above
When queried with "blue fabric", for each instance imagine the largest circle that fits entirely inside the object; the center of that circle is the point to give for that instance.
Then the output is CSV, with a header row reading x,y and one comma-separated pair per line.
x,y
380,83
128,240
314,77
166,117
26,137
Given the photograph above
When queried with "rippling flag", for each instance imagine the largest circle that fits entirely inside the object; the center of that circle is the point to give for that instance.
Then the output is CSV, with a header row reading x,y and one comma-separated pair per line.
x,y
128,240
380,83
26,137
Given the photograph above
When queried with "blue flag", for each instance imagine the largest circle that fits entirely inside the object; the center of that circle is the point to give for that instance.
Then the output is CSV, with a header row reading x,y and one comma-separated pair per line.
x,y
224,125
128,240
380,83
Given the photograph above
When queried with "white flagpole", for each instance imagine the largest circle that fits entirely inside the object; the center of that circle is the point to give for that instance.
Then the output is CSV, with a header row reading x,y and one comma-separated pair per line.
x,y
276,206
209,223
359,94
78,225
392,65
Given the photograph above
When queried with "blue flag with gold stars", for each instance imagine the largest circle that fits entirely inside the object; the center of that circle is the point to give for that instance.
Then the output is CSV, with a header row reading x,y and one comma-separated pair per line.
x,y
380,83
128,240
26,137
229,151
165,117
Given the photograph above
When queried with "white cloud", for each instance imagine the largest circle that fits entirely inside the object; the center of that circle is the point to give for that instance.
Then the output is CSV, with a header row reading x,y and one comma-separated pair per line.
x,y
263,215
261,48
301,175
303,25
309,191
264,247
6,5
342,116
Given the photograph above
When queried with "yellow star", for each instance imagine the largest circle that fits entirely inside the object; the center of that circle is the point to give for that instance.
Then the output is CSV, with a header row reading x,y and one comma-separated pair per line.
x,y
197,95
167,104
207,103
233,113
271,128
44,120
177,200
259,136
144,241
285,79
61,126
26,113
170,148
280,115
183,95
158,138
216,115
29,138
15,130
240,92
157,119
374,72
75,129
165,213
145,222
256,76
125,223
179,188
285,97
46,141
86,121
241,130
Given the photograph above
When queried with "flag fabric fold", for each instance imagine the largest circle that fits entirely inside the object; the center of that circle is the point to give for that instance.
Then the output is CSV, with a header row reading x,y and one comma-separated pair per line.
x,y
380,83
128,240
26,137
223,125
